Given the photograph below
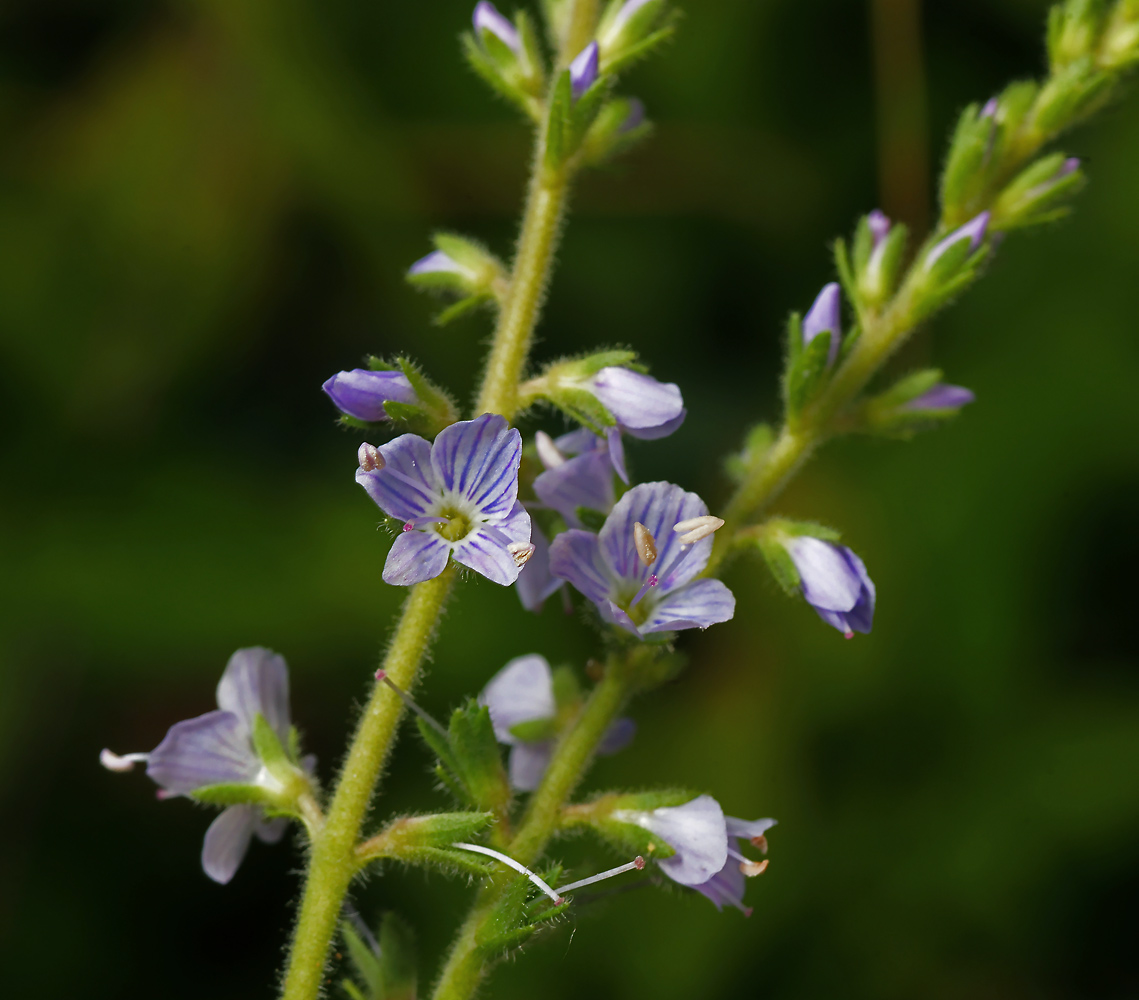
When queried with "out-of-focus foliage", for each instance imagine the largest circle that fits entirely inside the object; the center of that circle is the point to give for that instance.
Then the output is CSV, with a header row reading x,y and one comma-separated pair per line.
x,y
206,208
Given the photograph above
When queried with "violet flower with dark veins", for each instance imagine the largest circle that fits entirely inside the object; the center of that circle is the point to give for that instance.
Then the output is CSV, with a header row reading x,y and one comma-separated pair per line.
x,y
217,749
834,582
523,692
640,570
458,496
361,393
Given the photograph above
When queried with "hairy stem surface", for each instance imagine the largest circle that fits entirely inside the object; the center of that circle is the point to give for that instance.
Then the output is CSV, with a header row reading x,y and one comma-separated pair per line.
x,y
332,862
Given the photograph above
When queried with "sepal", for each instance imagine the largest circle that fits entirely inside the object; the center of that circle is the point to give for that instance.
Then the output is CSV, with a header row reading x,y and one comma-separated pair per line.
x,y
404,839
771,537
807,365
626,838
918,402
517,915
1073,93
1073,31
509,59
966,166
384,969
1037,194
619,126
1119,44
433,410
631,30
871,269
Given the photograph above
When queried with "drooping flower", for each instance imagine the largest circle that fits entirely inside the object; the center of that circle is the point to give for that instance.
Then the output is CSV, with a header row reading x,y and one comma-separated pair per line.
x,y
941,397
584,69
457,496
487,18
523,692
361,393
706,858
824,318
217,749
834,582
638,593
974,231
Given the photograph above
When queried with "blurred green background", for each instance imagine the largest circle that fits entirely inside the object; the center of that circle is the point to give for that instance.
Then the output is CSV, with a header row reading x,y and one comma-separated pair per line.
x,y
206,207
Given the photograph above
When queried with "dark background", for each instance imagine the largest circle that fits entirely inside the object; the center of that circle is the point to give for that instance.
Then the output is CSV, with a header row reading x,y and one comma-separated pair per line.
x,y
206,209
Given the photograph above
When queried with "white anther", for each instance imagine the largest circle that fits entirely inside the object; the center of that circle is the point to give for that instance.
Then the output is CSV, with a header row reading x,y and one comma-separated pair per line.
x,y
370,458
521,551
646,544
696,528
121,763
548,451
753,868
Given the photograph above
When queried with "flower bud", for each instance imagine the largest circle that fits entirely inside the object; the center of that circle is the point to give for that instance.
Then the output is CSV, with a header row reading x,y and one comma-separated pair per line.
x,y
626,25
1038,194
939,399
584,70
361,393
973,231
1119,46
825,317
487,19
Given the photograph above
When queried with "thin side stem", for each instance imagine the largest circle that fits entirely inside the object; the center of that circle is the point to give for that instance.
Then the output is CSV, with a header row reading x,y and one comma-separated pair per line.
x,y
333,862
466,964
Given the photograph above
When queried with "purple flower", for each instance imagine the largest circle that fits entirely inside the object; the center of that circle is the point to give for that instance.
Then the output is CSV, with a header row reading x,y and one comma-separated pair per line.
x,y
217,749
940,397
825,317
584,480
361,393
487,18
834,582
727,885
584,69
457,496
661,595
880,226
438,262
974,231
523,691
535,581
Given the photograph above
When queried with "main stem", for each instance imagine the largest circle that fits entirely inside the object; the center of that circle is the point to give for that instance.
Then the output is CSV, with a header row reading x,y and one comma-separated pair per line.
x,y
466,965
332,863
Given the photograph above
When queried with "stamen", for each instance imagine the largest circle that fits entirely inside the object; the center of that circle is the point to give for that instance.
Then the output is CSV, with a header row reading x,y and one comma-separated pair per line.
x,y
419,522
695,528
370,458
548,451
521,551
517,866
121,763
760,842
651,582
410,702
638,862
645,543
753,868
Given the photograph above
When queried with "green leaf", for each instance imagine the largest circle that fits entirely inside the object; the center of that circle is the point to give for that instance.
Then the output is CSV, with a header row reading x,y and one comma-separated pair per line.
x,y
435,740
476,751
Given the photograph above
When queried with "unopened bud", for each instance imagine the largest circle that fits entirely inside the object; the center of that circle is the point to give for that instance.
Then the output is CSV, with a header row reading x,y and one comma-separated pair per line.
x,y
548,452
521,552
369,457
646,544
695,528
753,868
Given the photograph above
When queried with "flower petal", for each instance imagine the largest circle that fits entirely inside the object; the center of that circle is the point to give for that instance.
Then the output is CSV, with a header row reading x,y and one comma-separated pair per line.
x,y
579,442
828,580
484,551
617,736
695,830
660,431
658,506
697,605
583,481
212,749
726,886
362,393
270,831
256,680
416,556
478,460
407,486
575,555
636,400
528,762
536,582
616,446
522,691
226,842
745,829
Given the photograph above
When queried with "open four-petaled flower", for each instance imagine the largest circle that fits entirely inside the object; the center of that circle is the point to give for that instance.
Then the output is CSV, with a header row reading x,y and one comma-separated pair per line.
x,y
457,496
660,596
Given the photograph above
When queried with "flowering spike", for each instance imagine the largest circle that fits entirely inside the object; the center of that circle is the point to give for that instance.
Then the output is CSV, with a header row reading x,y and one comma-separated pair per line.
x,y
369,457
695,528
646,544
121,763
638,863
584,69
511,863
410,702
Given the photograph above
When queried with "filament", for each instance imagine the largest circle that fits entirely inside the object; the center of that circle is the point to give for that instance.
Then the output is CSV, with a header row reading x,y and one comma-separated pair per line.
x,y
517,866
410,702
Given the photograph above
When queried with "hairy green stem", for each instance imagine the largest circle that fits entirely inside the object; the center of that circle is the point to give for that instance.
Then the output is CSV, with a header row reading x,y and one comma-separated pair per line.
x,y
466,964
332,861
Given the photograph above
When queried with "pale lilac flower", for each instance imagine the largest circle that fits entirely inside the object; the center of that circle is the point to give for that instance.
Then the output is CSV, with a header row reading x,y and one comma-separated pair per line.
x,y
661,596
217,749
361,393
880,226
696,831
727,885
825,318
974,231
535,581
457,496
834,582
584,480
523,691
487,18
439,262
940,397
584,69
